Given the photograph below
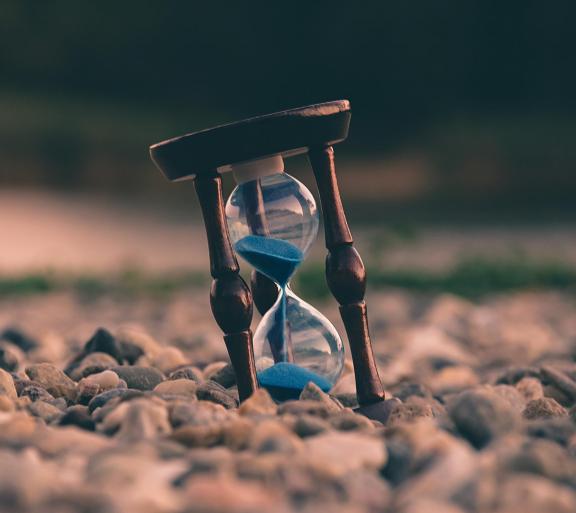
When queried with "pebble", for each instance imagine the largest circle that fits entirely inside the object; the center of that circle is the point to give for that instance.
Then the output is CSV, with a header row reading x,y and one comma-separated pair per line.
x,y
168,359
306,425
78,416
367,490
212,391
414,408
562,381
17,428
53,380
543,408
182,387
481,415
197,413
271,436
7,386
312,392
309,407
36,393
188,372
101,399
11,356
92,363
227,495
259,403
237,433
133,336
198,424
225,376
526,493
347,420
347,400
95,384
545,458
213,368
139,378
45,411
558,429
6,404
339,453
453,379
530,388
511,395
143,419
19,339
513,375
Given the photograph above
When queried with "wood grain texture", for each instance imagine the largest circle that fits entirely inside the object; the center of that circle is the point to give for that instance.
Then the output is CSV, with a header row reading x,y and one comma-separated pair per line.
x,y
230,297
346,277
288,132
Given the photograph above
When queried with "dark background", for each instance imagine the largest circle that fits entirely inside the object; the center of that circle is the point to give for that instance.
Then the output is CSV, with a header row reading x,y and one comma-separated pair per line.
x,y
459,105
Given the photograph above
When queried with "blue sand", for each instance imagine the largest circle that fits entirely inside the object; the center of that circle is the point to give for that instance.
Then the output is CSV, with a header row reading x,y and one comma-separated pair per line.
x,y
278,260
286,380
275,258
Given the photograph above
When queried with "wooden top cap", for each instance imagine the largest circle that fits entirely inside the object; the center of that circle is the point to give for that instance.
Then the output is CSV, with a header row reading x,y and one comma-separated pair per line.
x,y
286,133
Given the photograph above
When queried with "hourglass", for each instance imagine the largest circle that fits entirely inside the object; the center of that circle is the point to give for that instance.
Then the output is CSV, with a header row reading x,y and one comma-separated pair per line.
x,y
271,220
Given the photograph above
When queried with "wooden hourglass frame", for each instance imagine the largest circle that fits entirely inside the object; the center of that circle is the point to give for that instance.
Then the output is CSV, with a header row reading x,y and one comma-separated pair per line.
x,y
200,156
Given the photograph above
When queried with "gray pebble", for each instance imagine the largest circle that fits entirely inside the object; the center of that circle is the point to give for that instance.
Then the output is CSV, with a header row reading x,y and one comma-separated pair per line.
x,y
189,372
309,425
481,415
212,391
139,378
225,376
45,411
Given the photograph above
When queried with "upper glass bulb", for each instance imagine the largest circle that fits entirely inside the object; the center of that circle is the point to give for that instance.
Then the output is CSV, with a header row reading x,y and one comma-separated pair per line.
x,y
278,207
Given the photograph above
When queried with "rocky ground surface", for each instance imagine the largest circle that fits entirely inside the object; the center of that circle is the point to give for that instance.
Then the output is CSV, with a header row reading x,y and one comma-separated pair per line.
x,y
116,406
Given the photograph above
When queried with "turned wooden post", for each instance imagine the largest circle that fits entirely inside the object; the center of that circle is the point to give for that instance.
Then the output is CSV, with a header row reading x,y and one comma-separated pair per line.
x,y
230,297
346,276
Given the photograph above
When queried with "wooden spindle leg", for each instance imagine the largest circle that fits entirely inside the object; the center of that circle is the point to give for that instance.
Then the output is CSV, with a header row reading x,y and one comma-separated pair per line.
x,y
346,277
230,297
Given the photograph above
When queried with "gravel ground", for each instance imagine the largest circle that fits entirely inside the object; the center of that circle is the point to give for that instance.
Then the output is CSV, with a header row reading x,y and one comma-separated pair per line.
x,y
117,406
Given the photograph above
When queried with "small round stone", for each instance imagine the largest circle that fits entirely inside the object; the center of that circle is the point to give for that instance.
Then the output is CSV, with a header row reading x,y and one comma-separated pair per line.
x,y
481,415
140,378
183,387
543,408
169,359
53,380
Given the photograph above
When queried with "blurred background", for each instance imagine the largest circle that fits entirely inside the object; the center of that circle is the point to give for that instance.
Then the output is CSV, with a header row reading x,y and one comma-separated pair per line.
x,y
458,174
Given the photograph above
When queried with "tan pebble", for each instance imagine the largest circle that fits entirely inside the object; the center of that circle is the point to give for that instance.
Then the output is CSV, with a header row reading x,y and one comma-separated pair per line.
x,y
105,380
237,433
138,337
453,379
530,388
259,403
213,368
185,387
7,387
6,404
169,359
